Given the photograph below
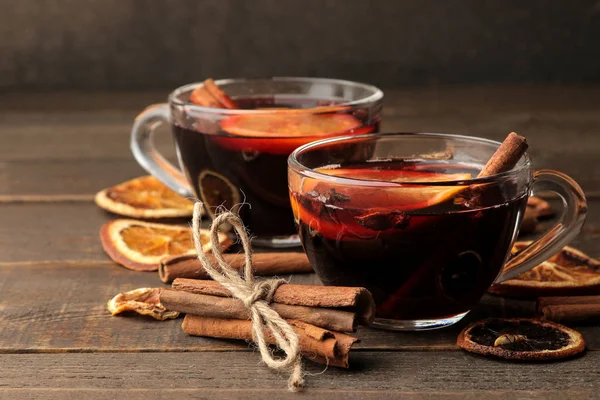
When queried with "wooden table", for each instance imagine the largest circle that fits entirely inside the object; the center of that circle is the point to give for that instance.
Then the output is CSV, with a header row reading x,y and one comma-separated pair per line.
x,y
58,340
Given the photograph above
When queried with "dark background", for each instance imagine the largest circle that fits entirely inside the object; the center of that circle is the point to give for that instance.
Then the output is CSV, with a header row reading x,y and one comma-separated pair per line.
x,y
156,44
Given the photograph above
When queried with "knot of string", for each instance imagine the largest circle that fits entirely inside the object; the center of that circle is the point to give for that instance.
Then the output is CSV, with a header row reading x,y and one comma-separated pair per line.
x,y
256,296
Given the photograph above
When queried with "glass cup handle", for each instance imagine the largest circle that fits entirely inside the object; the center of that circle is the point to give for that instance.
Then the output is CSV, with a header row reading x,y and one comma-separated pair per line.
x,y
142,147
568,226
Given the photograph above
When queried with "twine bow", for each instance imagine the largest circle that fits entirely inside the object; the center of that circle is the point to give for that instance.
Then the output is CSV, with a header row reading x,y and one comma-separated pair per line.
x,y
256,296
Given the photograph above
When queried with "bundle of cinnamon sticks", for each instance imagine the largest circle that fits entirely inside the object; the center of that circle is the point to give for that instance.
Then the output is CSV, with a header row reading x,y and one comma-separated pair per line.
x,y
320,315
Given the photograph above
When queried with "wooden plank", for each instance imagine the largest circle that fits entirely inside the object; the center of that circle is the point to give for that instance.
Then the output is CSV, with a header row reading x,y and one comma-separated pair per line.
x,y
547,135
50,308
371,372
69,232
399,101
72,136
105,135
84,171
62,179
49,180
76,126
51,232
80,101
79,180
235,394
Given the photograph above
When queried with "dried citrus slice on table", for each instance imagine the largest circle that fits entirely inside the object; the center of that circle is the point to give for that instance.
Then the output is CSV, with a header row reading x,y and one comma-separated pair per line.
x,y
140,246
144,197
569,272
521,339
282,132
144,301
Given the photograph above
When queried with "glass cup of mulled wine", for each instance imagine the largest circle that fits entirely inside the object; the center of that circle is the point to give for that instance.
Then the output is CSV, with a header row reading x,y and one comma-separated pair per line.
x,y
405,216
235,158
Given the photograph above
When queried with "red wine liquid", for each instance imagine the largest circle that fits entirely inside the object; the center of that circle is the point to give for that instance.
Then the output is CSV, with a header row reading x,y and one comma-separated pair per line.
x,y
254,165
420,258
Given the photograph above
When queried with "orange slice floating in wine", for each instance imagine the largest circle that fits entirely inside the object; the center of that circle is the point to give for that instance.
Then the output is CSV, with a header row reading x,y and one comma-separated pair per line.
x,y
144,197
404,198
282,133
140,245
218,191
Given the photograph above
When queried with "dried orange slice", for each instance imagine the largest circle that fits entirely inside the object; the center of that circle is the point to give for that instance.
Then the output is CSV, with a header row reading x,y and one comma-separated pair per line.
x,y
216,191
144,197
569,272
521,339
144,301
140,246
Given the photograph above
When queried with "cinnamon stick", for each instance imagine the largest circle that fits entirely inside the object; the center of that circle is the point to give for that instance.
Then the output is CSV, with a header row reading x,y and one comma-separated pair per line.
x,y
359,299
225,307
202,97
506,156
211,95
572,313
315,343
219,94
188,266
570,309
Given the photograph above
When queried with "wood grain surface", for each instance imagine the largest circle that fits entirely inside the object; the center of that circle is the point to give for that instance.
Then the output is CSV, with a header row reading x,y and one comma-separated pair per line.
x,y
422,373
57,340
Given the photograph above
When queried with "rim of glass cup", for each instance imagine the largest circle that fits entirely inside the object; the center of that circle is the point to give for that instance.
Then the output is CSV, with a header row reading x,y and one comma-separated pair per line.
x,y
295,165
376,95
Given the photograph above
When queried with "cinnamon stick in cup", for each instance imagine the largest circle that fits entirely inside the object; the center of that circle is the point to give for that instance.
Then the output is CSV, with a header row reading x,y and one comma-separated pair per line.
x,y
225,307
504,159
316,344
506,156
211,95
220,95
356,298
188,266
570,309
202,97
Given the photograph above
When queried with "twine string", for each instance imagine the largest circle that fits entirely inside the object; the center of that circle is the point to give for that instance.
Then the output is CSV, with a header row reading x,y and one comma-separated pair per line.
x,y
256,296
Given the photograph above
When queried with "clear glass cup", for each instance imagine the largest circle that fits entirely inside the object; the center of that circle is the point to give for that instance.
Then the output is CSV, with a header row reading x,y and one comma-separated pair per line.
x,y
405,216
237,158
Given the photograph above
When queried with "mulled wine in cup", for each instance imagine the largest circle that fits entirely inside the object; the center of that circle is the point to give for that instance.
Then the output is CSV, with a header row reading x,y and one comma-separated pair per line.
x,y
405,216
233,138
